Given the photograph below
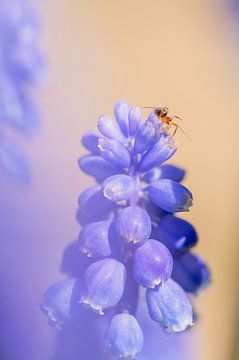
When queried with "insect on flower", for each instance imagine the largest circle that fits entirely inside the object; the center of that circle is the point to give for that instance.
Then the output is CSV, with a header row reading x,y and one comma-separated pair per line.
x,y
162,114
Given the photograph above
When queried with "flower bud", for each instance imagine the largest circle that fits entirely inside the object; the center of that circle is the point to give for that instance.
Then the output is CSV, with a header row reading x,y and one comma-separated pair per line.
x,y
175,233
124,337
134,120
169,305
153,264
133,225
170,195
121,111
103,284
90,142
163,150
114,152
191,272
118,187
147,135
109,128
94,239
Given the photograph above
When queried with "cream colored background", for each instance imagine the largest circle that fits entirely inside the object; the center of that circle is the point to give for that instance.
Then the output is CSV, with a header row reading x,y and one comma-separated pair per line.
x,y
183,54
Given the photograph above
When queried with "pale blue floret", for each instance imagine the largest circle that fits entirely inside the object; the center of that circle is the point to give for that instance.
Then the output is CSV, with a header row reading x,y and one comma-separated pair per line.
x,y
118,187
94,239
103,284
124,337
152,264
133,225
57,301
170,306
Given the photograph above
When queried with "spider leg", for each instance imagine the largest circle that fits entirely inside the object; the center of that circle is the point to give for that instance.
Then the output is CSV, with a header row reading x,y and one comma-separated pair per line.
x,y
179,127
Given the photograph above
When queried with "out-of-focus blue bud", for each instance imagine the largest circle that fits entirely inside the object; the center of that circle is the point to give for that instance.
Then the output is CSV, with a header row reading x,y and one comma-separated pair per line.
x,y
94,239
176,233
133,225
147,135
109,128
191,272
124,337
118,187
163,150
121,111
169,305
13,162
134,120
114,152
170,195
103,284
153,264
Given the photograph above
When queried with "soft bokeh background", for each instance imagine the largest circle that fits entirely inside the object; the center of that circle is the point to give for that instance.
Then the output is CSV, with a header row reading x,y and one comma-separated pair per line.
x,y
183,54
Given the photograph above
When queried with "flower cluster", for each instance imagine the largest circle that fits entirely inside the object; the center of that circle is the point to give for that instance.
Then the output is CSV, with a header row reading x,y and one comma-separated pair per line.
x,y
21,65
130,237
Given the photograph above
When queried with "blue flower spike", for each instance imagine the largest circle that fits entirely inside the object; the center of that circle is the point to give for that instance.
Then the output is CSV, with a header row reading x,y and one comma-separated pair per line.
x,y
130,235
124,337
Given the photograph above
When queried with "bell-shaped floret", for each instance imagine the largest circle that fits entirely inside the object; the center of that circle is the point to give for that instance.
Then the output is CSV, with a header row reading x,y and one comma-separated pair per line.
x,y
133,225
103,284
118,187
152,264
124,337
169,305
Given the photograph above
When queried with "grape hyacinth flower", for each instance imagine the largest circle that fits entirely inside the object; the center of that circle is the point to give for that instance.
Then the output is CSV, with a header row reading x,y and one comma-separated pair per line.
x,y
131,239
21,67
